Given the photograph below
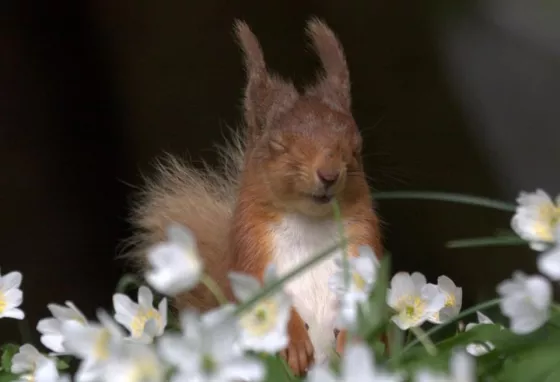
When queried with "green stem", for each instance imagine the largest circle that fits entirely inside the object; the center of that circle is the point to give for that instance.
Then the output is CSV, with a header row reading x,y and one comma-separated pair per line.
x,y
213,287
408,337
447,197
346,268
273,286
24,331
424,339
435,329
485,242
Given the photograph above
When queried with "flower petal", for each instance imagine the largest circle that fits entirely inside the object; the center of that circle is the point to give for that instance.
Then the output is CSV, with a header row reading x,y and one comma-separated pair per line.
x,y
244,286
11,280
419,280
145,297
321,373
540,291
548,263
16,313
357,363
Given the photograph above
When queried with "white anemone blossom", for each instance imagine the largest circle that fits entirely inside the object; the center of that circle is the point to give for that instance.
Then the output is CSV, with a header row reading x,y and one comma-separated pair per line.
x,y
51,328
30,365
136,363
453,300
95,344
477,349
141,319
362,272
548,262
525,300
11,296
413,299
208,349
536,217
263,327
176,264
358,364
462,369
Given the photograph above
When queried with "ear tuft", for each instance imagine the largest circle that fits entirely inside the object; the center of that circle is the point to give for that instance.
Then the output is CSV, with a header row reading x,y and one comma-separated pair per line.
x,y
266,96
254,58
334,87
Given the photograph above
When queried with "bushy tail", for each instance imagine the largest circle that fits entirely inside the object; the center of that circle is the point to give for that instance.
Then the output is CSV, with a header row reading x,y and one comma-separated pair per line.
x,y
200,199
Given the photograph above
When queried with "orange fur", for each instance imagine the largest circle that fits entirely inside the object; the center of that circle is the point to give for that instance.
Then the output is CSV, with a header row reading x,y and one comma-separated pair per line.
x,y
269,173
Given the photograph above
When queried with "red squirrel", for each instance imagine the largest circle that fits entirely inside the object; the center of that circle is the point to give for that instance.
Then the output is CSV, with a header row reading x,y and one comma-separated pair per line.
x,y
271,201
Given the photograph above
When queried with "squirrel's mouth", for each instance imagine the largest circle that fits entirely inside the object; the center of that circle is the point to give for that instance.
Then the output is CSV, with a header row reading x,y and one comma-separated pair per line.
x,y
321,198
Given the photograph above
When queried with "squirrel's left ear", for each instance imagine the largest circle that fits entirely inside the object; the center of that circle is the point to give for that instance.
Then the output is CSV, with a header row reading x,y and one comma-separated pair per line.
x,y
334,87
266,96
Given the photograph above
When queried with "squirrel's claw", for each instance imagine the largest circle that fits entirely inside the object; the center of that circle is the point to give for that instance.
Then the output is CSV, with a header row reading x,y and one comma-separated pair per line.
x,y
300,353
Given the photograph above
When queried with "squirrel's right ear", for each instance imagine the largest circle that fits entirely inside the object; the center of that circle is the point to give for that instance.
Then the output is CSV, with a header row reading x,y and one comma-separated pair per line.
x,y
334,87
266,96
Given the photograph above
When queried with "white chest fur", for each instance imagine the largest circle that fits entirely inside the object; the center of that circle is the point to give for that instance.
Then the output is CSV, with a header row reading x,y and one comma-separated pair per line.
x,y
296,239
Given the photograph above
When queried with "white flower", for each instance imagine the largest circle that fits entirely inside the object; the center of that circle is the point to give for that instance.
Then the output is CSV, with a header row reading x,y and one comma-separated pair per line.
x,y
526,301
413,299
363,274
548,262
264,326
453,300
11,296
358,364
536,217
142,320
137,363
362,271
208,349
50,328
26,359
95,344
176,265
462,369
31,365
475,348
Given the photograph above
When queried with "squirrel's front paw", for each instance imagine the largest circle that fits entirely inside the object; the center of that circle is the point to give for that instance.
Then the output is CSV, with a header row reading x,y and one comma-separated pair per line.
x,y
340,341
299,353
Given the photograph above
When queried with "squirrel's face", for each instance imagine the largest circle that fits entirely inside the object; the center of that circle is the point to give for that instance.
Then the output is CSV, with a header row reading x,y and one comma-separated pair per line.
x,y
306,146
310,156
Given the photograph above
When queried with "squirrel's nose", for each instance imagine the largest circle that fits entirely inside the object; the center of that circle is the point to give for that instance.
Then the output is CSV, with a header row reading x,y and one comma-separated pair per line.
x,y
328,177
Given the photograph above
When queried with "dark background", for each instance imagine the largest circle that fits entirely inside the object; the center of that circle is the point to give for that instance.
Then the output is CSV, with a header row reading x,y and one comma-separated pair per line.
x,y
460,99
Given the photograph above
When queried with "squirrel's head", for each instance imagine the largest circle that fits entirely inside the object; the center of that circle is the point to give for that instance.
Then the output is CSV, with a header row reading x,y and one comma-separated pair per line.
x,y
306,145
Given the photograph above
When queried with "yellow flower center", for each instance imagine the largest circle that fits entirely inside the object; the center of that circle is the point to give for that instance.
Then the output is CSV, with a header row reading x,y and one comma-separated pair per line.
x,y
358,281
3,302
101,345
411,307
208,364
139,321
450,301
261,319
549,216
142,371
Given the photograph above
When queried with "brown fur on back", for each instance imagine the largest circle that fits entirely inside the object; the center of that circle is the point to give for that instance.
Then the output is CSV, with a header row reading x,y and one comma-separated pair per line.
x,y
201,199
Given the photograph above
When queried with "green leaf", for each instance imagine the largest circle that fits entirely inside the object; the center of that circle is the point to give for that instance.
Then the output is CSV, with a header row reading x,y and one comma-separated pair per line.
x,y
127,282
396,338
8,351
62,364
277,370
373,314
486,242
533,365
447,197
8,377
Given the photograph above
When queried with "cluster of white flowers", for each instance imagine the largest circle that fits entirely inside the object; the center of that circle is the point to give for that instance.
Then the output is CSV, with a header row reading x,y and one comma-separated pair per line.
x,y
134,345
526,300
